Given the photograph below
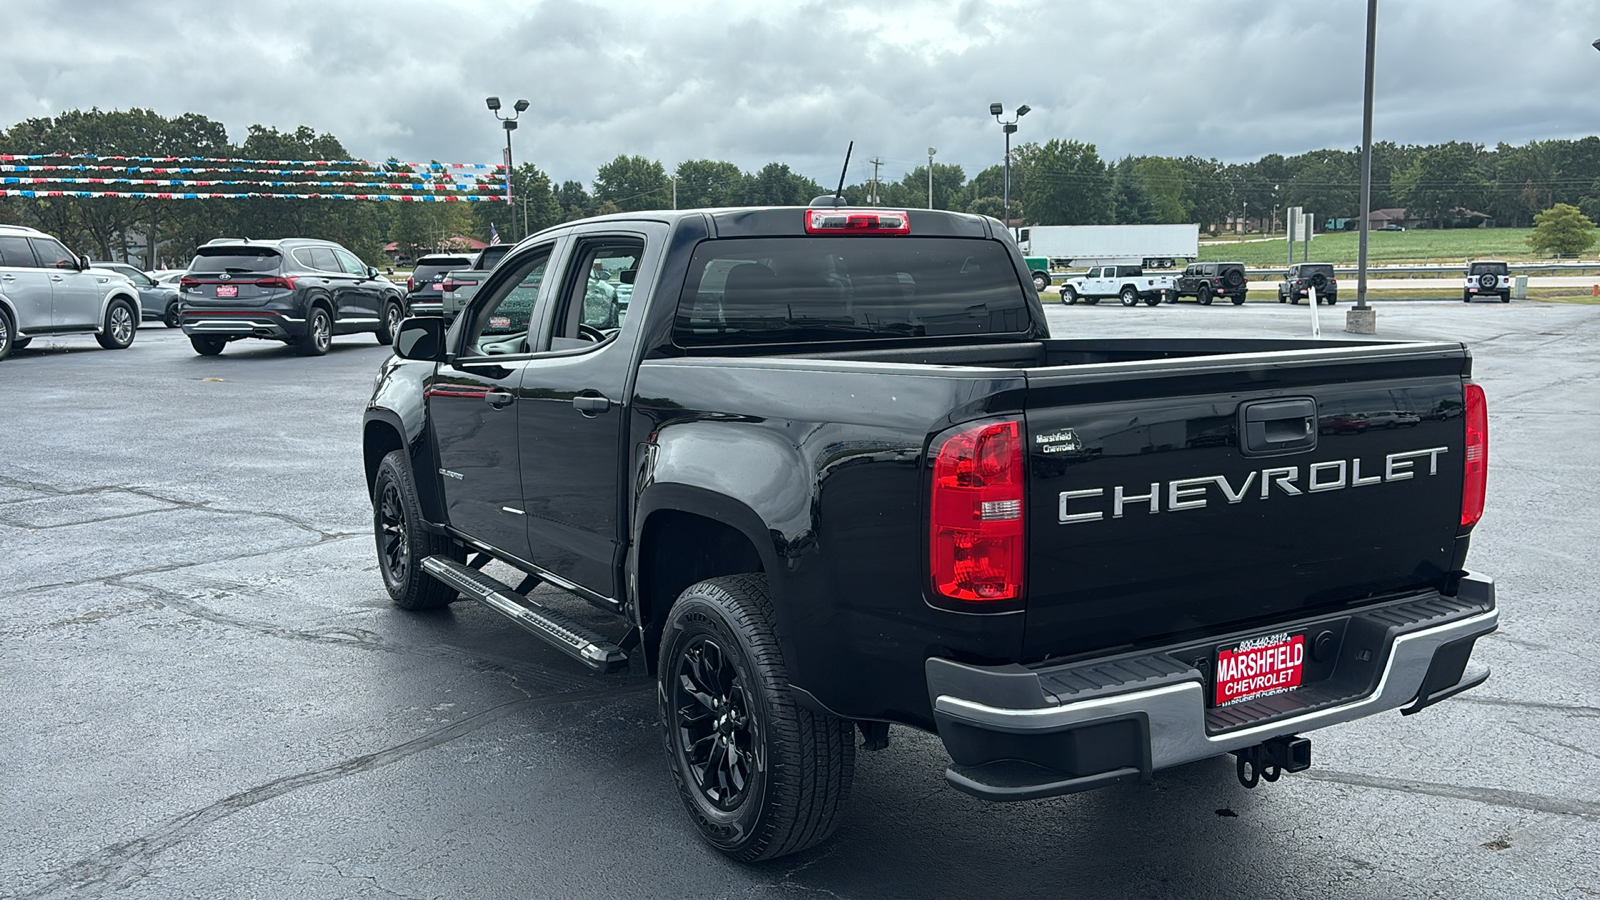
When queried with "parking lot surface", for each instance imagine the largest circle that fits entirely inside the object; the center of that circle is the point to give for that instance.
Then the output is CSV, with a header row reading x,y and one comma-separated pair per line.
x,y
209,693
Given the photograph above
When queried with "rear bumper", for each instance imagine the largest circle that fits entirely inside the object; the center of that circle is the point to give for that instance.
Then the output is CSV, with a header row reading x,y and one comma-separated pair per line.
x,y
1018,733
242,323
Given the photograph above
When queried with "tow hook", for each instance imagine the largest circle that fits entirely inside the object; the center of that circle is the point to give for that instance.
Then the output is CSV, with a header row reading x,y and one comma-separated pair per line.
x,y
1270,759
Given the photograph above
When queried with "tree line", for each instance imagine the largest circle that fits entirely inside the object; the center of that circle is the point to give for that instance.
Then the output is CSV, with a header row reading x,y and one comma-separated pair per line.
x,y
1057,182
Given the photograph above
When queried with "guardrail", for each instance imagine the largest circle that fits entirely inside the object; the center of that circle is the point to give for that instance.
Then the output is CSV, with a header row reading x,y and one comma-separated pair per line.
x,y
1437,269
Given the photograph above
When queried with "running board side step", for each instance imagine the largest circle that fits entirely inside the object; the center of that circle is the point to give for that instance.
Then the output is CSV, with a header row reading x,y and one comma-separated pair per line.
x,y
576,640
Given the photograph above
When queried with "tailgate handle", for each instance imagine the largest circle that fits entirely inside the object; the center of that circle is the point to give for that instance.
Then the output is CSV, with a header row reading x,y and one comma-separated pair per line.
x,y
1271,427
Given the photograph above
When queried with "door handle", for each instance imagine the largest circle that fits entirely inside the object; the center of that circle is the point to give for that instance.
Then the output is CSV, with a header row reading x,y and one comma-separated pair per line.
x,y
591,404
57,278
499,399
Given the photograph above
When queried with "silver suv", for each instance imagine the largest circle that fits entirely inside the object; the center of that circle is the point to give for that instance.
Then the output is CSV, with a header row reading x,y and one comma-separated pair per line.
x,y
47,289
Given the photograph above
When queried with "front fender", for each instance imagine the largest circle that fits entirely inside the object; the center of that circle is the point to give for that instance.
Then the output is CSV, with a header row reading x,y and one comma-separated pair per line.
x,y
117,292
397,418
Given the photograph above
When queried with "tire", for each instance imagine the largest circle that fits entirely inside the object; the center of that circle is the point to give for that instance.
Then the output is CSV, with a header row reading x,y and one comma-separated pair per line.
x,y
19,343
171,318
390,324
403,541
1466,297
1153,300
206,344
1091,301
1237,300
722,681
319,333
1332,299
8,334
1068,295
1234,278
1204,295
1282,297
117,331
1040,281
1505,298
1129,297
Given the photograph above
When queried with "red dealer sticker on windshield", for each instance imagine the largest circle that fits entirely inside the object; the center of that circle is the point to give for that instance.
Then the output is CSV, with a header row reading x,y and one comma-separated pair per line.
x,y
1260,666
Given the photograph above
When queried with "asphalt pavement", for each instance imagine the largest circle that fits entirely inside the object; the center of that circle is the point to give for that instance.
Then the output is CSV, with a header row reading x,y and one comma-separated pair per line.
x,y
208,692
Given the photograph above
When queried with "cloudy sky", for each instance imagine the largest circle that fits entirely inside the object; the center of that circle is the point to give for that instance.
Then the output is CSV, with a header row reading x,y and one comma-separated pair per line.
x,y
794,81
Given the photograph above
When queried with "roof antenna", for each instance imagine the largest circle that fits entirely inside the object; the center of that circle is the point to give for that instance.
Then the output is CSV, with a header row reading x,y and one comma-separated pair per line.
x,y
837,199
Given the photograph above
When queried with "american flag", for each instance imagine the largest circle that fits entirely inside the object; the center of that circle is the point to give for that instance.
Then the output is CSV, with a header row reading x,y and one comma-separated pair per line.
x,y
494,234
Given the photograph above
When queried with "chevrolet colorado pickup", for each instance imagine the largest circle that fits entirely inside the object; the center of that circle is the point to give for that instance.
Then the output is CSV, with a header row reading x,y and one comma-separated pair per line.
x,y
830,471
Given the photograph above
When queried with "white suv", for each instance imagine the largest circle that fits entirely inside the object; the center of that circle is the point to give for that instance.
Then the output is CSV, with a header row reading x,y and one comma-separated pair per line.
x,y
47,289
1487,278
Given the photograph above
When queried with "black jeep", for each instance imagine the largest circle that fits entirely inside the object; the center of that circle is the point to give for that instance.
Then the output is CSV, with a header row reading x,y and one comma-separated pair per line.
x,y
1203,281
1302,278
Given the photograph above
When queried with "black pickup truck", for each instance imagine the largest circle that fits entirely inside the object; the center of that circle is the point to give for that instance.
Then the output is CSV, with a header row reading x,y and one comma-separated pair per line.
x,y
830,472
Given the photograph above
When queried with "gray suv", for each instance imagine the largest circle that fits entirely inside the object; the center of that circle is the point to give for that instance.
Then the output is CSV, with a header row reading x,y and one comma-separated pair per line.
x,y
46,289
300,291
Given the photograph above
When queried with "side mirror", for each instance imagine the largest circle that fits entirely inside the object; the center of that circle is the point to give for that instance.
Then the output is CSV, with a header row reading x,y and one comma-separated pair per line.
x,y
83,263
372,272
422,338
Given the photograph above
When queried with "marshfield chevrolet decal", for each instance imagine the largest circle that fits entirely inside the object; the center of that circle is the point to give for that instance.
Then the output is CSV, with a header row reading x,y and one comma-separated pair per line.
x,y
1194,493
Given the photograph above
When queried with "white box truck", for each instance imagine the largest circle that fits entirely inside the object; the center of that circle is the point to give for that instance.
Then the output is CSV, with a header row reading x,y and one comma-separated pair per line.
x,y
1148,246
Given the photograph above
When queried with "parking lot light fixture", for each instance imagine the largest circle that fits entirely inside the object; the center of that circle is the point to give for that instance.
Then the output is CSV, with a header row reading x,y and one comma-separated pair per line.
x,y
997,110
509,123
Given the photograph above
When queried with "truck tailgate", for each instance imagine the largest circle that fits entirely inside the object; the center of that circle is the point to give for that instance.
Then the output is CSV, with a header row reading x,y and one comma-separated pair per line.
x,y
1176,497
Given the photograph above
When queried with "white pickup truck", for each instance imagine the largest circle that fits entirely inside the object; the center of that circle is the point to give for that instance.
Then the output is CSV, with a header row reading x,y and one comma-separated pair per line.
x,y
1128,283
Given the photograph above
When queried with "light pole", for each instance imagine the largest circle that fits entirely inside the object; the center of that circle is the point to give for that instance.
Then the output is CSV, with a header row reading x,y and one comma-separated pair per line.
x,y
931,152
509,123
1010,128
1363,319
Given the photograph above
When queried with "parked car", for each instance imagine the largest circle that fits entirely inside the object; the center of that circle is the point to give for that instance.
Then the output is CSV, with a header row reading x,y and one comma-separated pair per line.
x,y
1203,281
460,284
167,276
423,293
46,289
1391,227
1128,283
156,300
1487,278
831,475
300,291
1302,278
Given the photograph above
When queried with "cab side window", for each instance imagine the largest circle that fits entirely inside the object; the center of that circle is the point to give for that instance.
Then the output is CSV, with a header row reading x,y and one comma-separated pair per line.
x,y
322,258
54,256
596,295
501,325
15,252
350,264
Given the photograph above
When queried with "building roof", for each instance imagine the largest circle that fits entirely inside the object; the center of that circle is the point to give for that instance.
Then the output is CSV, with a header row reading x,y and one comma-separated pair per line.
x,y
457,243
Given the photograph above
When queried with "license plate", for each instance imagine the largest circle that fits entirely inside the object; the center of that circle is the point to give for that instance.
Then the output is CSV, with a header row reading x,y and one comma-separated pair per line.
x,y
227,290
1258,667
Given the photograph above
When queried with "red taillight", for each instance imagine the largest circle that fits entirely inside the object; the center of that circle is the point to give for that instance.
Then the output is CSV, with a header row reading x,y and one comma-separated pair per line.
x,y
411,283
975,536
856,221
276,281
1475,476
186,282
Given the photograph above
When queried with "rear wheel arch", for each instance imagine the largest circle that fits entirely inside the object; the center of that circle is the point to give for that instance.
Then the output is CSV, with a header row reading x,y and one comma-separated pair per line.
x,y
687,536
378,439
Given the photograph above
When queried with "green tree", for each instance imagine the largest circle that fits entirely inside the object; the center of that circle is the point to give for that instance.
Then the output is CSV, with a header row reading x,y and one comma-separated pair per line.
x,y
775,185
994,208
1062,183
1561,230
1130,201
1166,185
575,201
633,183
534,206
912,190
708,183
1442,179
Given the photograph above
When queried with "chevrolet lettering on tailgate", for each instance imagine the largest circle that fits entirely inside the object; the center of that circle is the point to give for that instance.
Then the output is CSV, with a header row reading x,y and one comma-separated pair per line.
x,y
1191,493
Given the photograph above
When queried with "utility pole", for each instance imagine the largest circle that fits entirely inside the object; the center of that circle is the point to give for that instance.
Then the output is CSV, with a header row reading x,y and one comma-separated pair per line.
x,y
876,163
674,191
931,152
1363,319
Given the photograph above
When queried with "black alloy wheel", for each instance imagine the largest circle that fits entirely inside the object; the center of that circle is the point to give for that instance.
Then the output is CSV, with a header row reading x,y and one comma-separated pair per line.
x,y
1203,297
173,317
760,776
318,335
403,541
392,316
119,327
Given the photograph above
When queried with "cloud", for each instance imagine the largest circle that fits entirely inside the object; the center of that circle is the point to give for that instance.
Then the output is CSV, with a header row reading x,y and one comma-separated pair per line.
x,y
795,81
